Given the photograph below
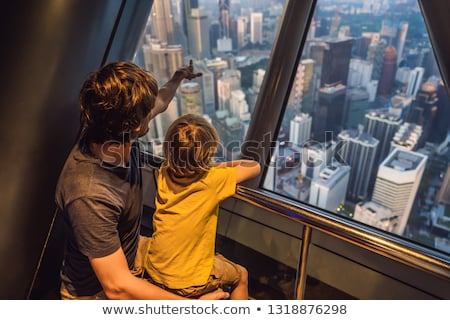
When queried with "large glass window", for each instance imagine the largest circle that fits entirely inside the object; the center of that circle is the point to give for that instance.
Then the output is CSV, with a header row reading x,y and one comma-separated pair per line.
x,y
229,42
365,133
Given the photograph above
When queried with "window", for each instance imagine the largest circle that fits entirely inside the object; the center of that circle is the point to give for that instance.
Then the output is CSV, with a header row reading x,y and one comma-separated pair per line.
x,y
365,133
230,43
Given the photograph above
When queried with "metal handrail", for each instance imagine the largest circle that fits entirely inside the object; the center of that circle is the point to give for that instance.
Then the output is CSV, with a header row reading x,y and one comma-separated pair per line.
x,y
353,232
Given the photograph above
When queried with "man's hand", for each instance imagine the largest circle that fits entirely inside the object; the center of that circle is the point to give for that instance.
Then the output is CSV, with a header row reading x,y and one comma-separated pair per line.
x,y
187,72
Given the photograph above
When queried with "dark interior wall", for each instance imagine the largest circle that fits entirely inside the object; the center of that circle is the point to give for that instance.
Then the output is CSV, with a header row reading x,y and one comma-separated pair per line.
x,y
48,48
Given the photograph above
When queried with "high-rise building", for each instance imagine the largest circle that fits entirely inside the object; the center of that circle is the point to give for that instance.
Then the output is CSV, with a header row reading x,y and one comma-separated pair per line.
x,y
415,81
161,22
206,82
241,31
355,107
329,111
162,59
424,109
238,104
388,69
328,190
188,5
336,61
198,34
360,73
256,27
382,125
407,137
358,150
375,215
229,81
300,129
397,182
191,98
163,120
224,18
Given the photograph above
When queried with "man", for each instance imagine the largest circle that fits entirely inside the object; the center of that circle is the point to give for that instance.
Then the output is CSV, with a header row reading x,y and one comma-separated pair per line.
x,y
99,192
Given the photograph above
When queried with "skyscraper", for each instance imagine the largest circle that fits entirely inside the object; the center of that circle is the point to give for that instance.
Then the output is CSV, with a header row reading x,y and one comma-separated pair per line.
x,y
191,98
388,68
162,24
256,27
358,151
336,61
300,129
415,81
328,190
198,34
397,182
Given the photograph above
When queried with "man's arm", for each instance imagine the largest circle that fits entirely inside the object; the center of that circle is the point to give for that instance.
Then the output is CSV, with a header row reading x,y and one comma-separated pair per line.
x,y
118,282
245,169
168,90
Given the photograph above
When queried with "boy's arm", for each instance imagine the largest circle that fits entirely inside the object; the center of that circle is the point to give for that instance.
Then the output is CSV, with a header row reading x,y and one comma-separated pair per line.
x,y
118,282
245,169
168,90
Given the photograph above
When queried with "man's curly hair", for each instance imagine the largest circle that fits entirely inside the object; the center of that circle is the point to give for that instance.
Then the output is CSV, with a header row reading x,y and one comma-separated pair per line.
x,y
115,101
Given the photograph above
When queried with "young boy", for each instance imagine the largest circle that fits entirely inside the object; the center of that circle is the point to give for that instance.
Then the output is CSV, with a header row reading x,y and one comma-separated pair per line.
x,y
181,253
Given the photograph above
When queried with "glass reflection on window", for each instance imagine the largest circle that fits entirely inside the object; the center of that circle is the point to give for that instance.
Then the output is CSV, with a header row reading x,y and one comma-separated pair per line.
x,y
365,133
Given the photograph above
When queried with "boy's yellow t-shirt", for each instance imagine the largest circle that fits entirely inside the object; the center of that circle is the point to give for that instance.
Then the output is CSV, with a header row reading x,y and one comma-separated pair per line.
x,y
181,251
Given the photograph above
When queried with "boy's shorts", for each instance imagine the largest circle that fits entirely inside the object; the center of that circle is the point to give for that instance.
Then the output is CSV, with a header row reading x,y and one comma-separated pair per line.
x,y
225,274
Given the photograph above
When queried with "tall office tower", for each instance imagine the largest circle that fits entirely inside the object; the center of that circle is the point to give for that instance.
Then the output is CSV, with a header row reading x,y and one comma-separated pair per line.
x,y
241,31
300,129
415,81
256,27
375,215
360,72
224,17
407,137
206,82
442,125
395,35
328,190
361,46
372,90
398,179
424,109
429,64
214,36
161,22
382,125
296,94
309,88
399,105
336,61
238,105
388,69
322,27
355,107
162,59
198,34
231,133
216,66
358,151
191,98
402,75
444,192
314,158
375,55
329,111
188,5
335,23
229,81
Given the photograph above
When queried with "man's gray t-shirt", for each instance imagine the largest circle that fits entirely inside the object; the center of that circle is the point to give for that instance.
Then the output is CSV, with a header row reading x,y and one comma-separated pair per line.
x,y
101,205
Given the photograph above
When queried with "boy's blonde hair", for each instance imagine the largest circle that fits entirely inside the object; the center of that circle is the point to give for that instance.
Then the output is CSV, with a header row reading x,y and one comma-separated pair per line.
x,y
190,143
